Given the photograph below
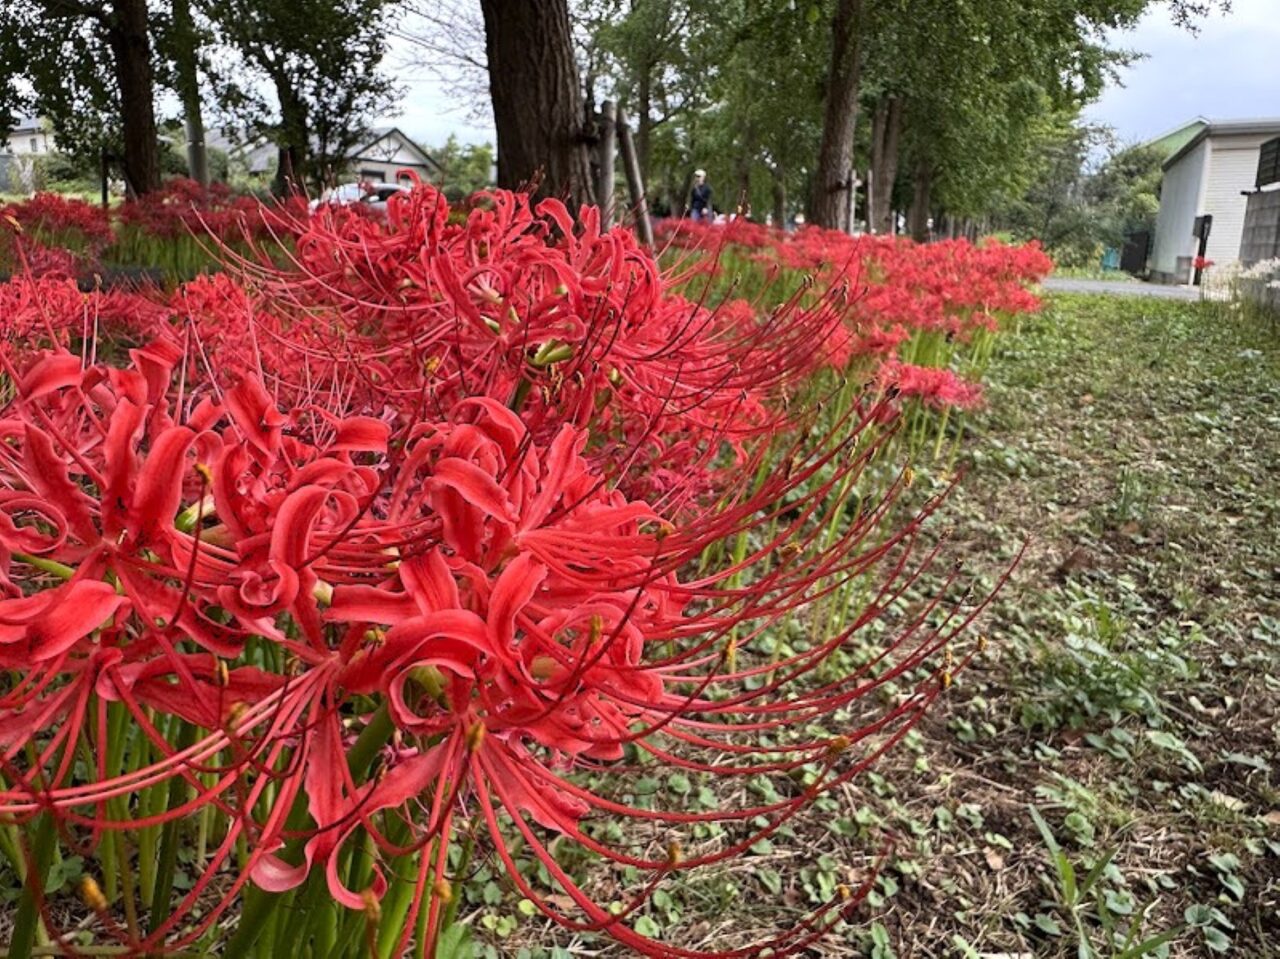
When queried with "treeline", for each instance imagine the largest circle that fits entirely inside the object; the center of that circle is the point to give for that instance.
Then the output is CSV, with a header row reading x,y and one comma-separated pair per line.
x,y
842,108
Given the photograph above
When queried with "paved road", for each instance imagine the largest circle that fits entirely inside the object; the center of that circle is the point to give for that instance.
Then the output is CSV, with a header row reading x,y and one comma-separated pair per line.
x,y
1122,288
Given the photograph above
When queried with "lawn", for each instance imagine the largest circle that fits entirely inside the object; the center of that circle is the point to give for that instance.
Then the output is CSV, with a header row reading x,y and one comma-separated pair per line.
x,y
1131,690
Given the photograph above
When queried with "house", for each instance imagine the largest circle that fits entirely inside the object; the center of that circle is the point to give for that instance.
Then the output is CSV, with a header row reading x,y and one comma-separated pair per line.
x,y
1203,196
383,151
1171,141
28,141
387,151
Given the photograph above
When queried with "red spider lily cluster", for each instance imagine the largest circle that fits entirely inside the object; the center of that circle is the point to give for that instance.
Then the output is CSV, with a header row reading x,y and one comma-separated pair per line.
x,y
445,527
53,235
62,219
184,208
953,286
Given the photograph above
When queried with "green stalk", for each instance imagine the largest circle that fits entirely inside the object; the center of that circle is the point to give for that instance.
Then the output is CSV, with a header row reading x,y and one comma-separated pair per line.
x,y
162,891
60,570
28,923
259,905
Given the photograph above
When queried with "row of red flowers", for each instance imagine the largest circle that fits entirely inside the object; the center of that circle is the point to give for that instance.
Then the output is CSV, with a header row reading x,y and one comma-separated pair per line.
x,y
438,529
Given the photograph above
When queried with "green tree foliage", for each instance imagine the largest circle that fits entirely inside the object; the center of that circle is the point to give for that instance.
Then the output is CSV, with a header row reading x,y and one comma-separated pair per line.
x,y
1077,204
963,95
468,167
726,86
89,66
321,60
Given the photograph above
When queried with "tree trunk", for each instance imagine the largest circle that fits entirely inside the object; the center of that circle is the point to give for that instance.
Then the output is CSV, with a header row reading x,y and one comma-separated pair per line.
x,y
885,142
294,141
742,202
833,182
537,104
188,84
130,45
779,198
921,200
644,120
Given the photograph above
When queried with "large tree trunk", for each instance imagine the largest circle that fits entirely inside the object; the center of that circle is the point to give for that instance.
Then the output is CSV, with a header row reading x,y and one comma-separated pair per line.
x,y
294,140
131,49
188,84
886,138
742,201
921,201
833,182
537,104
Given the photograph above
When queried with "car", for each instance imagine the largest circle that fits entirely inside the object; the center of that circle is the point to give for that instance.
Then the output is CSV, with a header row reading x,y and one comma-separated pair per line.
x,y
372,197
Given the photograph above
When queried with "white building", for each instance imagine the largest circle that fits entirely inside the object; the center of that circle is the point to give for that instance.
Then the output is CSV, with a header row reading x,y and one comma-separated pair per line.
x,y
384,151
27,142
1207,178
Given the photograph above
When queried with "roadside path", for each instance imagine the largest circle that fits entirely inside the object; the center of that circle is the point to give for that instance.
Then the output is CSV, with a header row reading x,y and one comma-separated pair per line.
x,y
1186,294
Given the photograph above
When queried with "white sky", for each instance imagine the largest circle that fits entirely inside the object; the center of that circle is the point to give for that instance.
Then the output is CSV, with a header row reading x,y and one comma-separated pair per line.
x,y
1230,69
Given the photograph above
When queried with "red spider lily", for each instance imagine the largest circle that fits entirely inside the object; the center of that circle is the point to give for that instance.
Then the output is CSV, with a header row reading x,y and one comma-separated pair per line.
x,y
515,616
934,387
572,325
67,220
51,311
529,520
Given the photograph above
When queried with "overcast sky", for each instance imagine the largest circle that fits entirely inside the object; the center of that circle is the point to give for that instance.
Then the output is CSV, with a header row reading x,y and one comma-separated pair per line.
x,y
1230,69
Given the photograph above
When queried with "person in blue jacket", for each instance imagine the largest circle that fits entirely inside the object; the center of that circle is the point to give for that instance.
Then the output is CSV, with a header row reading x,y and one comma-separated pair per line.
x,y
700,198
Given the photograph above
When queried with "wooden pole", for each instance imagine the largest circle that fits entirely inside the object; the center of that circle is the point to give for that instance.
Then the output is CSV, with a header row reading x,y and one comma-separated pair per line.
x,y
608,144
635,184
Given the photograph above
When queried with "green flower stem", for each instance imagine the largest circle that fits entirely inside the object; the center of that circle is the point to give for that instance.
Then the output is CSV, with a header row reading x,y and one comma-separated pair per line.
x,y
28,922
162,892
259,905
61,570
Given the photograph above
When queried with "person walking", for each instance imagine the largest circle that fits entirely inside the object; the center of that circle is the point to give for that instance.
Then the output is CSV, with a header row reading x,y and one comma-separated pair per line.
x,y
700,198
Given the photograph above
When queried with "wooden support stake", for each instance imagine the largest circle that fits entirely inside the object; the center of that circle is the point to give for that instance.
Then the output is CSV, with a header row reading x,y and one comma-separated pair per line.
x,y
635,184
608,144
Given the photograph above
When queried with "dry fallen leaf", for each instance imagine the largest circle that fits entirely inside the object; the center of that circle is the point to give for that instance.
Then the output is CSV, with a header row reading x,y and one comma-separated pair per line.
x,y
1222,799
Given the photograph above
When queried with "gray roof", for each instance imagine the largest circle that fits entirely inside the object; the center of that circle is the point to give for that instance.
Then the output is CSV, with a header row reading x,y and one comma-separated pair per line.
x,y
1226,128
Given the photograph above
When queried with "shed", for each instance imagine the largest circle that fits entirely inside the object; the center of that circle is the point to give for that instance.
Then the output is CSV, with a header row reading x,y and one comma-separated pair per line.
x,y
1204,188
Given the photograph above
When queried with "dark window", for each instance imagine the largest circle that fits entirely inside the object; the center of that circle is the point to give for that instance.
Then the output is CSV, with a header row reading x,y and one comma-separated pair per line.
x,y
35,145
1269,163
373,176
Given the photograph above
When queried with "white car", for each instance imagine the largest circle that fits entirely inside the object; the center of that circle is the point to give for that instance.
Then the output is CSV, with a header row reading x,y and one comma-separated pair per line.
x,y
371,196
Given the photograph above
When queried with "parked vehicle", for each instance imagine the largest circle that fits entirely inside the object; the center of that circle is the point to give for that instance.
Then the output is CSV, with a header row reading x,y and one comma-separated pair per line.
x,y
372,197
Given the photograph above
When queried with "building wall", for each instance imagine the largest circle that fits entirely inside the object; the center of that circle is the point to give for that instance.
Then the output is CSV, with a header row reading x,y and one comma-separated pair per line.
x,y
28,142
1180,198
385,156
1260,239
1233,169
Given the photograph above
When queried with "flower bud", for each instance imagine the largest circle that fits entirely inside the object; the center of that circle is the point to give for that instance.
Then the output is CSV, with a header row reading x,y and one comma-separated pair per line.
x,y
92,895
838,745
